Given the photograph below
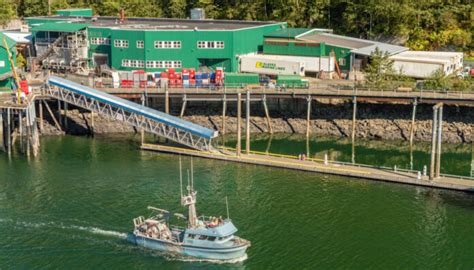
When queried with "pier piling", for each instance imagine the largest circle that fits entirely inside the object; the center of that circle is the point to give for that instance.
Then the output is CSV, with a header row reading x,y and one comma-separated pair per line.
x,y
440,136
167,101
433,142
308,115
58,126
183,106
65,115
354,113
412,126
9,132
224,108
267,114
239,123
247,123
40,108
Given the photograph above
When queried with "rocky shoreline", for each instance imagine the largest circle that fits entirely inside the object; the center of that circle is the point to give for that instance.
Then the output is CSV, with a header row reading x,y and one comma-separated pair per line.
x,y
374,121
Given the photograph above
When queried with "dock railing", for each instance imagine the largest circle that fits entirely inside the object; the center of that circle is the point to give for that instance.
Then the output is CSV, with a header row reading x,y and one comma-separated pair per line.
x,y
343,163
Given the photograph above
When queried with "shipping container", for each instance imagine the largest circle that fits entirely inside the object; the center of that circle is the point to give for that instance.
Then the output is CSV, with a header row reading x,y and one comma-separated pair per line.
x,y
262,65
240,79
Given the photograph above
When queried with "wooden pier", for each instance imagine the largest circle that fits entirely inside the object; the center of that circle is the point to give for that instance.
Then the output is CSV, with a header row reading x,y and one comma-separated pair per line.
x,y
324,167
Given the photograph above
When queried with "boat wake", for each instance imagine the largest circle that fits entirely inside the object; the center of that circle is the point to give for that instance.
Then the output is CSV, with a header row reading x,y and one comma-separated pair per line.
x,y
181,258
62,226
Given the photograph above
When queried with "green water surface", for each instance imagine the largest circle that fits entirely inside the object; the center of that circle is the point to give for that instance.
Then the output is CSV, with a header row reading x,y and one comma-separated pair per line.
x,y
71,207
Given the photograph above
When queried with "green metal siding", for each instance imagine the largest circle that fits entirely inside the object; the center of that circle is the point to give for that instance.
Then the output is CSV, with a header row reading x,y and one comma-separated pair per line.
x,y
235,43
341,53
75,12
100,49
294,48
7,83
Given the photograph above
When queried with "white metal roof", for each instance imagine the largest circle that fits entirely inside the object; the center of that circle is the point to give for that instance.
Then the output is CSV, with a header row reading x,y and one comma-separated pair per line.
x,y
358,45
19,37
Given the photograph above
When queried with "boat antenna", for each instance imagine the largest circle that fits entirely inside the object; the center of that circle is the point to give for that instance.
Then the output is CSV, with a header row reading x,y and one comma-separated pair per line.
x,y
192,175
180,177
227,206
188,187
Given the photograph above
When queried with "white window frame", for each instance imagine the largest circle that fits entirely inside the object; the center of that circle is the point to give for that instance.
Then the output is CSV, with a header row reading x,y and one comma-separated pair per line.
x,y
120,43
210,44
100,41
342,61
140,44
167,44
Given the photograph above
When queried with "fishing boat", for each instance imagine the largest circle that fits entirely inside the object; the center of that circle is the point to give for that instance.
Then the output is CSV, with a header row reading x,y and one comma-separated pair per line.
x,y
203,237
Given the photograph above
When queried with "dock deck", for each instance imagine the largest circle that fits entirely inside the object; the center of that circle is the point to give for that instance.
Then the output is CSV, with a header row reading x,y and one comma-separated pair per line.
x,y
319,166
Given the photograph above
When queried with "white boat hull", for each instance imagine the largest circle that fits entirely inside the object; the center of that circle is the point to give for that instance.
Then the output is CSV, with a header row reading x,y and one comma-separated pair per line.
x,y
227,253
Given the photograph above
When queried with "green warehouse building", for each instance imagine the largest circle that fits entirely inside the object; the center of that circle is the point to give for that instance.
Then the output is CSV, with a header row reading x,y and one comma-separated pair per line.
x,y
6,79
151,44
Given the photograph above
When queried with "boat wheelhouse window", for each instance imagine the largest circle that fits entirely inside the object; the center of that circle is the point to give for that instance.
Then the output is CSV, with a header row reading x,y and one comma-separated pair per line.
x,y
202,237
191,236
211,238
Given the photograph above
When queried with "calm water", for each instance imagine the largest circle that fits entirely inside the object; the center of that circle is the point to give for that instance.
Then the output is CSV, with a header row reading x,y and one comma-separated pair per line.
x,y
71,207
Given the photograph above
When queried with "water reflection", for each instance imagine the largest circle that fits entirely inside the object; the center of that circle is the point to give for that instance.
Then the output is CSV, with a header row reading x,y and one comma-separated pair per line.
x,y
456,158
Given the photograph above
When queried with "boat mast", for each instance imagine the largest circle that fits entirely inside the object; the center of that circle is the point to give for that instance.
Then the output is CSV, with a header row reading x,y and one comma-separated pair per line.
x,y
190,201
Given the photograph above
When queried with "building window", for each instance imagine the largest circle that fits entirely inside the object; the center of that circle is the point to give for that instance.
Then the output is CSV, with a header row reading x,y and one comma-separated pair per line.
x,y
126,63
100,41
163,64
342,61
210,44
140,44
167,44
120,43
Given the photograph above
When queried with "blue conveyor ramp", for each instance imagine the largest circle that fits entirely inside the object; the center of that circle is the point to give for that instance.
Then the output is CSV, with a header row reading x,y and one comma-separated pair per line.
x,y
153,121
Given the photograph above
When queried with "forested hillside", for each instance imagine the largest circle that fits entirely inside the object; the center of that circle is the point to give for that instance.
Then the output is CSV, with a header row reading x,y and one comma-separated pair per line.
x,y
420,24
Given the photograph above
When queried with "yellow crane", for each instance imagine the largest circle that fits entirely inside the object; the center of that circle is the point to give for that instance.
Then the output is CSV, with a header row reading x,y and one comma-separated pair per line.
x,y
12,66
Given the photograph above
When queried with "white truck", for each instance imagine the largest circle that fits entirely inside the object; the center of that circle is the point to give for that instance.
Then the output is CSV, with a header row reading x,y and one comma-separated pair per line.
x,y
264,65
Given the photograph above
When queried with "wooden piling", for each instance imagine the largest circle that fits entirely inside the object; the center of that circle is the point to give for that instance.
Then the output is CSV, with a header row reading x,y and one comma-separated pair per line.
x,y
65,115
354,113
413,116
247,123
239,123
2,133
438,148
308,115
40,108
433,143
167,102
9,132
60,113
183,106
142,130
52,115
92,123
224,109
267,114
20,131
28,133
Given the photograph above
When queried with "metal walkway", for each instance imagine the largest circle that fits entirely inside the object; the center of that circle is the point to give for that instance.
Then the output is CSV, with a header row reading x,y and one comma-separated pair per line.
x,y
134,114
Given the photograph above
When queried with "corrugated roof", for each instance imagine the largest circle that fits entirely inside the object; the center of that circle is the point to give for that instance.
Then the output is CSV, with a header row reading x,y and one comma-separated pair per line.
x,y
11,43
60,27
160,23
358,45
288,32
19,37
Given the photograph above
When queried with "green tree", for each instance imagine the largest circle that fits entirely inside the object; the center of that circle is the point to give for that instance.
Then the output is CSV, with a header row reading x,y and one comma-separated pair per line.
x,y
7,11
437,81
379,71
29,8
177,9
